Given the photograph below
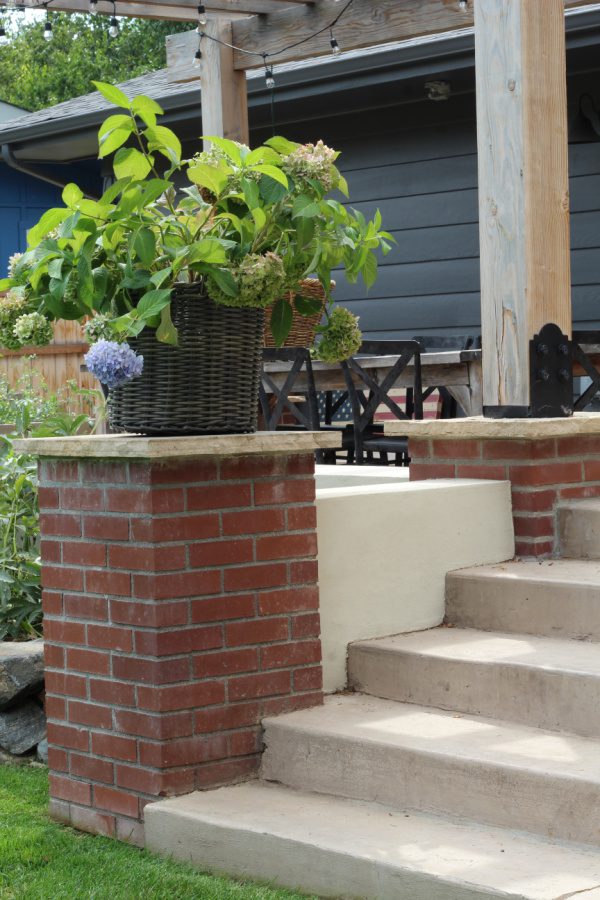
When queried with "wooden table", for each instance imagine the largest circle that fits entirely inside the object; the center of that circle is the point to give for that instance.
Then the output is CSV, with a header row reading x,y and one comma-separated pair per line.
x,y
459,371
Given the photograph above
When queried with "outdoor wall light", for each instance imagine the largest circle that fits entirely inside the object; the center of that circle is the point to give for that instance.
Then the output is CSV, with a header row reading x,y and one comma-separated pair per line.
x,y
437,90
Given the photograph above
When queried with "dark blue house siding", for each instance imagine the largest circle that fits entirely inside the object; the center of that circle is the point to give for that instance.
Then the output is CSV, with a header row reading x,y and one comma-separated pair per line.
x,y
417,163
23,199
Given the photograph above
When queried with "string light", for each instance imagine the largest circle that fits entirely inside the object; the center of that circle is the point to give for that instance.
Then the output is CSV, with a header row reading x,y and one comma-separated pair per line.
x,y
202,20
3,36
93,7
198,57
464,5
48,33
268,54
113,29
335,47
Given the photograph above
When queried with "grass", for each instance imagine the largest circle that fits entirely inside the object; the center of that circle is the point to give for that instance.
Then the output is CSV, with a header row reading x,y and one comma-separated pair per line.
x,y
41,860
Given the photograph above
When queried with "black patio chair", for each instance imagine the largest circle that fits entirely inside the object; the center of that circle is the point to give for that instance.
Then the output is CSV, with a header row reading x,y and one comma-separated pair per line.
x,y
429,344
368,394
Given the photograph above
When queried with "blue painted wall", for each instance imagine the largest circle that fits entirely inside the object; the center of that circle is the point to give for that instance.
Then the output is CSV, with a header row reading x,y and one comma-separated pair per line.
x,y
23,199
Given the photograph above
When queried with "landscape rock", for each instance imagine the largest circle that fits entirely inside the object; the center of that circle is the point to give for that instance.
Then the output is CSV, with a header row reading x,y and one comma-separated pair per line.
x,y
42,751
21,671
23,728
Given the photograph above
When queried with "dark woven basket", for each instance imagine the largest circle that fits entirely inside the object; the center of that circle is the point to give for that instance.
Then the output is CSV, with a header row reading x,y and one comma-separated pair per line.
x,y
208,384
302,332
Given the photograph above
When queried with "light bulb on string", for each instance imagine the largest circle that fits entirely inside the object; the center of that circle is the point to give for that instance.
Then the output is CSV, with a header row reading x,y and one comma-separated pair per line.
x,y
269,77
464,5
3,36
335,47
202,20
113,29
198,55
48,33
93,7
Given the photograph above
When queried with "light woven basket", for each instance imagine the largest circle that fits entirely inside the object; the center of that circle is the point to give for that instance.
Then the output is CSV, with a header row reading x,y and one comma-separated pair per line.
x,y
302,333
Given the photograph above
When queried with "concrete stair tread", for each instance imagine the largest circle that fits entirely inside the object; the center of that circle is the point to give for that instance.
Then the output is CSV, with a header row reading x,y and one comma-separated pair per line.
x,y
338,847
570,572
473,646
436,732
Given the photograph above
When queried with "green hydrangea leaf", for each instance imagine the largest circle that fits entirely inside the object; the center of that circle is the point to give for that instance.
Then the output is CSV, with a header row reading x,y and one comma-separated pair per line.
x,y
131,162
166,331
281,321
113,94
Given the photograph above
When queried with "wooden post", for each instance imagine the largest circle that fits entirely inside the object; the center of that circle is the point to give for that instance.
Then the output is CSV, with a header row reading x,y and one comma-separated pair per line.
x,y
523,189
224,94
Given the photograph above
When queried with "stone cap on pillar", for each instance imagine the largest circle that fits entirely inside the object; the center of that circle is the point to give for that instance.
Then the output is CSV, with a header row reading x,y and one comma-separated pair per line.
x,y
131,446
481,428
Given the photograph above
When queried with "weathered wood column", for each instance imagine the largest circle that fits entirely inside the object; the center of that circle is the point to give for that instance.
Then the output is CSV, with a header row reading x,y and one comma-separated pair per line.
x,y
224,93
523,189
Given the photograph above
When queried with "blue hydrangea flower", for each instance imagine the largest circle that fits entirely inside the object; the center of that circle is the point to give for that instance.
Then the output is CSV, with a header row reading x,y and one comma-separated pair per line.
x,y
113,364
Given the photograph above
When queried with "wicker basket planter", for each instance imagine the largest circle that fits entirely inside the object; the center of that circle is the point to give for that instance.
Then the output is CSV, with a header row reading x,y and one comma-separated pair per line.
x,y
302,333
208,384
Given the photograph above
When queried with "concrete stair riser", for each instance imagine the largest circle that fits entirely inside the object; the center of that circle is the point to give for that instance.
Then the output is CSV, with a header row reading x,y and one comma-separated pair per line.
x,y
559,598
339,848
579,529
432,776
488,679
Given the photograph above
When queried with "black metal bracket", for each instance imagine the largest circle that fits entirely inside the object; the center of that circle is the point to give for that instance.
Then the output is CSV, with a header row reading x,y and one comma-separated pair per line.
x,y
551,374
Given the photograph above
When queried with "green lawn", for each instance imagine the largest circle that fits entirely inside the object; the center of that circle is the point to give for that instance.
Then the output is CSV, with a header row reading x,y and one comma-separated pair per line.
x,y
41,860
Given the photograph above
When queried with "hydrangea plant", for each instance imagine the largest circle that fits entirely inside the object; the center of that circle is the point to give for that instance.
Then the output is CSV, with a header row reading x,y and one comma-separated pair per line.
x,y
247,224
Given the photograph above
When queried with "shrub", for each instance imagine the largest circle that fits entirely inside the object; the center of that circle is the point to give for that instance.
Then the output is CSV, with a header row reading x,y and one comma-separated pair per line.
x,y
20,589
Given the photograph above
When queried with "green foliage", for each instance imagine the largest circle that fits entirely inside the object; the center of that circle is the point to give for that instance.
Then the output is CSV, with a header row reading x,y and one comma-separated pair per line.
x,y
250,224
35,74
31,410
20,592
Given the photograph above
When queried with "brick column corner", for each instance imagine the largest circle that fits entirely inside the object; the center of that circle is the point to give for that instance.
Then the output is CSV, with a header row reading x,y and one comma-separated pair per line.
x,y
180,607
542,472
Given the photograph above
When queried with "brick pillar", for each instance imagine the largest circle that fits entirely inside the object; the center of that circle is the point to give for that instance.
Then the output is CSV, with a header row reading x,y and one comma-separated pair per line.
x,y
542,471
181,606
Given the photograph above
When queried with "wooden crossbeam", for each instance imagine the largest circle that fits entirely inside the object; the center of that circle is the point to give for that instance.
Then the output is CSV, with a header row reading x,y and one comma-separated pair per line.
x,y
367,23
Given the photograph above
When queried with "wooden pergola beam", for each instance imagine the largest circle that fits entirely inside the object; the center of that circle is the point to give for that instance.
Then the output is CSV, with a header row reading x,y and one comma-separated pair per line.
x,y
365,25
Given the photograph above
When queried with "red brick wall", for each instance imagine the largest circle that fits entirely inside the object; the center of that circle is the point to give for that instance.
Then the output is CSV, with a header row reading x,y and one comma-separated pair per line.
x,y
181,607
541,473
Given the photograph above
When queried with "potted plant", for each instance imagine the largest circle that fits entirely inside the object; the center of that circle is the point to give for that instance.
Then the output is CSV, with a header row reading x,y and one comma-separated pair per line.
x,y
175,266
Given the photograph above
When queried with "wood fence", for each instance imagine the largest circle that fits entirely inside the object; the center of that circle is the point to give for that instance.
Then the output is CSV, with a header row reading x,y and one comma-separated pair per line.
x,y
57,364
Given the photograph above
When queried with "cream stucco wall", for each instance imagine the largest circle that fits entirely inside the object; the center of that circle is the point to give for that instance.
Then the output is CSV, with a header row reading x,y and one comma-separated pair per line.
x,y
385,549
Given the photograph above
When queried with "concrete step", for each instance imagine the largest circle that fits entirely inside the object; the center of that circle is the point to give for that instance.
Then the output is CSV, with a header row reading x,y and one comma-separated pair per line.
x,y
545,682
556,598
579,529
341,848
405,755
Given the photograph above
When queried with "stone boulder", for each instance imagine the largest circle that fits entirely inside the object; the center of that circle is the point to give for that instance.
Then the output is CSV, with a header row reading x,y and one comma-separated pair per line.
x,y
22,728
21,671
